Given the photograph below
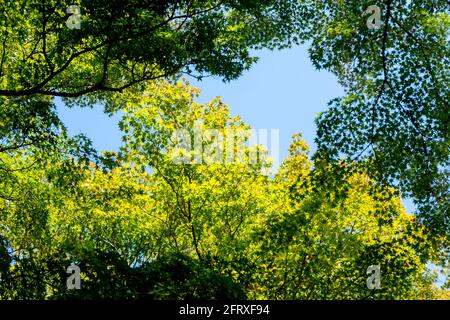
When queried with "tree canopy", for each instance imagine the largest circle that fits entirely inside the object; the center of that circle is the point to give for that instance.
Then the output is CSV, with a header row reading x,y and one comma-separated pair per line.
x,y
396,110
187,230
141,225
121,43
